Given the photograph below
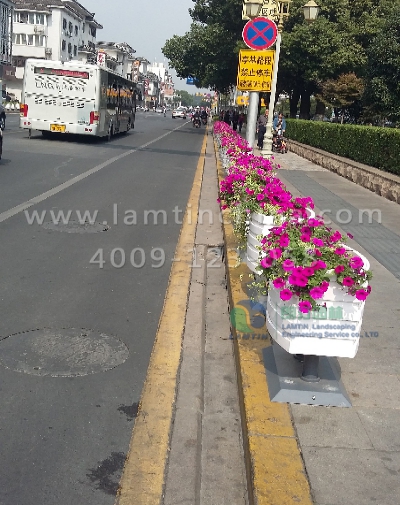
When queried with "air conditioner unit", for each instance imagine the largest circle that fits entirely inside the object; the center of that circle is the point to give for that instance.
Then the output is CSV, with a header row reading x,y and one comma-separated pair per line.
x,y
38,29
48,50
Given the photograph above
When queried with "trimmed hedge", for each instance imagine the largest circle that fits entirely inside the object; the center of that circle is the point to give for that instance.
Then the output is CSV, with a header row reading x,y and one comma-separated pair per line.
x,y
370,145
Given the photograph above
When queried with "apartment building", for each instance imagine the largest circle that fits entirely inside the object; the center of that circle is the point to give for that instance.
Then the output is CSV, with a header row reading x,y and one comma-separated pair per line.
x,y
6,16
59,30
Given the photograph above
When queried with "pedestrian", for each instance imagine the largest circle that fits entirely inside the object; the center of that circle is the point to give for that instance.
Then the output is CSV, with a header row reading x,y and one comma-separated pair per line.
x,y
235,120
227,118
221,115
262,128
240,121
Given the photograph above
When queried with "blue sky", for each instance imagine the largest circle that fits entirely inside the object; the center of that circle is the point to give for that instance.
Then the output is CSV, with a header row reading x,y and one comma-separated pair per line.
x,y
144,25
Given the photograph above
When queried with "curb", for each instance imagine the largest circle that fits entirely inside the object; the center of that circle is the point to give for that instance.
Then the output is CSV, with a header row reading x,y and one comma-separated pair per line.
x,y
274,464
143,477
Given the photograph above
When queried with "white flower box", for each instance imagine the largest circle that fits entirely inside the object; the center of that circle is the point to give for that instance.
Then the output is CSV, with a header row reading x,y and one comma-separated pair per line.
x,y
311,334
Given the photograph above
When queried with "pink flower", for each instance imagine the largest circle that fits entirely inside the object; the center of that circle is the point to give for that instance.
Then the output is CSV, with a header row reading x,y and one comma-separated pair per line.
x,y
285,295
266,262
314,222
275,253
298,280
339,269
361,294
305,238
340,251
335,237
284,241
288,265
356,262
260,197
278,283
318,252
308,271
350,235
305,306
324,286
316,293
318,242
348,281
318,265
306,230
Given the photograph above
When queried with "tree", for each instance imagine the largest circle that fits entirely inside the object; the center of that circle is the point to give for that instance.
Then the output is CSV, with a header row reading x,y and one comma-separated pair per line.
x,y
186,98
382,93
209,51
342,92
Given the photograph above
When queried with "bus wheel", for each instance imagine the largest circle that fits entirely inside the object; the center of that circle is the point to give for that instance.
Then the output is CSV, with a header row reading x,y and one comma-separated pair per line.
x,y
2,121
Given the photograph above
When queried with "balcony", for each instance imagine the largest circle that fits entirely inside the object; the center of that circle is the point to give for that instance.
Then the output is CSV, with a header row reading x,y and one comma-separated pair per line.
x,y
29,51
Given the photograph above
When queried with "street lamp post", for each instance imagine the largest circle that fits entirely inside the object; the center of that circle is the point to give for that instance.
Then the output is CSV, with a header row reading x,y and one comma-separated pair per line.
x,y
251,9
310,11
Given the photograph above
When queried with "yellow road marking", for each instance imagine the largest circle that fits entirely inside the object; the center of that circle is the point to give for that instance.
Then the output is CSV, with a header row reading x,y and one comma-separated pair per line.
x,y
143,477
275,467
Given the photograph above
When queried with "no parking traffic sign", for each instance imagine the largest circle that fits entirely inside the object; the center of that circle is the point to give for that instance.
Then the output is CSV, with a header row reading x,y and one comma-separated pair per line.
x,y
260,33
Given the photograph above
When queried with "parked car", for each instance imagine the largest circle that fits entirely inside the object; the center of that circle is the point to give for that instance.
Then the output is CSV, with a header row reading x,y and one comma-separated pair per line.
x,y
159,110
179,113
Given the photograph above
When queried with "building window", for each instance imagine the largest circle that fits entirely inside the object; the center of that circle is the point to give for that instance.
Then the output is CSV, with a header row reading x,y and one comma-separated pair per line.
x,y
31,18
20,17
70,27
83,27
63,45
40,19
20,39
75,50
76,30
30,40
64,24
40,40
93,31
70,48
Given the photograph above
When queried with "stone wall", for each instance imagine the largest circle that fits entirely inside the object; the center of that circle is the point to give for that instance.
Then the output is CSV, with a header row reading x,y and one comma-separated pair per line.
x,y
378,181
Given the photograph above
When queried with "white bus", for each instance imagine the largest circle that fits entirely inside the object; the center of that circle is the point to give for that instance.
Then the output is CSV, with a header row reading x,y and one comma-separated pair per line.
x,y
77,98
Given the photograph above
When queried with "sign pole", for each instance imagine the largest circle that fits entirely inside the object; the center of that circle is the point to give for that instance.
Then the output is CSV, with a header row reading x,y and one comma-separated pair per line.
x,y
267,144
252,118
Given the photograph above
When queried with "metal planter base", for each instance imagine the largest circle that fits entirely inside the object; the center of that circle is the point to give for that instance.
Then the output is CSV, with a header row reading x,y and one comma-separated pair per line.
x,y
285,384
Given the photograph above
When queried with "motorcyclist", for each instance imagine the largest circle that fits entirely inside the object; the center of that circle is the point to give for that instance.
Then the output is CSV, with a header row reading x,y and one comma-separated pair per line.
x,y
204,116
196,117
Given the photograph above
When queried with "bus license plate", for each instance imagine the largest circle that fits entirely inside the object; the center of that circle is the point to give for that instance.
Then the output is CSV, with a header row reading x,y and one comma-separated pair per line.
x,y
57,128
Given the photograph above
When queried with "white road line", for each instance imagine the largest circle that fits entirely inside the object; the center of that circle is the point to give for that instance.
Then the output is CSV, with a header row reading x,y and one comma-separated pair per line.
x,y
44,196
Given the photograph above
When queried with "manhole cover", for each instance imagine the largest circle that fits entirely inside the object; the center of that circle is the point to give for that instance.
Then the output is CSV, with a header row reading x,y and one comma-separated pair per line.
x,y
76,227
68,352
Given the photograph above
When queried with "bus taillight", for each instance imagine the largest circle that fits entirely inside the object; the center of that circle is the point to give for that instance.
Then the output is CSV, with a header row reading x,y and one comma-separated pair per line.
x,y
23,110
94,117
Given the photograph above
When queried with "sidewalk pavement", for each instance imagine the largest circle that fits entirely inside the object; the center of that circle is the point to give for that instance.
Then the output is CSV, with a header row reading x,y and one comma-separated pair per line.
x,y
207,433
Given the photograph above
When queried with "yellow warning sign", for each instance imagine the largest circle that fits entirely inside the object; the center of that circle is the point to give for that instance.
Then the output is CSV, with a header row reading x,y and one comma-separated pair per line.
x,y
255,70
244,100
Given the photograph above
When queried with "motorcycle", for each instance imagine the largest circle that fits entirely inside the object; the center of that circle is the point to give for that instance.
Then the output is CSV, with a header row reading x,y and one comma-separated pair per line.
x,y
196,122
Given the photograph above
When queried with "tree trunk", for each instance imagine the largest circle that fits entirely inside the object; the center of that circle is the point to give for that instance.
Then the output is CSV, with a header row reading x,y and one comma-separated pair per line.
x,y
319,111
293,101
305,104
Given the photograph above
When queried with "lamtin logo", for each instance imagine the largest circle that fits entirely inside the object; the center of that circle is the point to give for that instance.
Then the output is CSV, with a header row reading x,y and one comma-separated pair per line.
x,y
248,319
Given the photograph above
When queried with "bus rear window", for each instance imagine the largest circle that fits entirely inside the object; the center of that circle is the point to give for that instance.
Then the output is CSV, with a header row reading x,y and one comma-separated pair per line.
x,y
61,72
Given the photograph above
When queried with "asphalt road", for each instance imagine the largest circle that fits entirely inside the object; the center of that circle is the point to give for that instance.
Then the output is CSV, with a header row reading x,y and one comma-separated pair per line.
x,y
75,339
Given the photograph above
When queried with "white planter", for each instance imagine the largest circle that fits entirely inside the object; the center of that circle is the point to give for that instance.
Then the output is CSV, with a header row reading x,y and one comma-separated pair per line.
x,y
315,336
